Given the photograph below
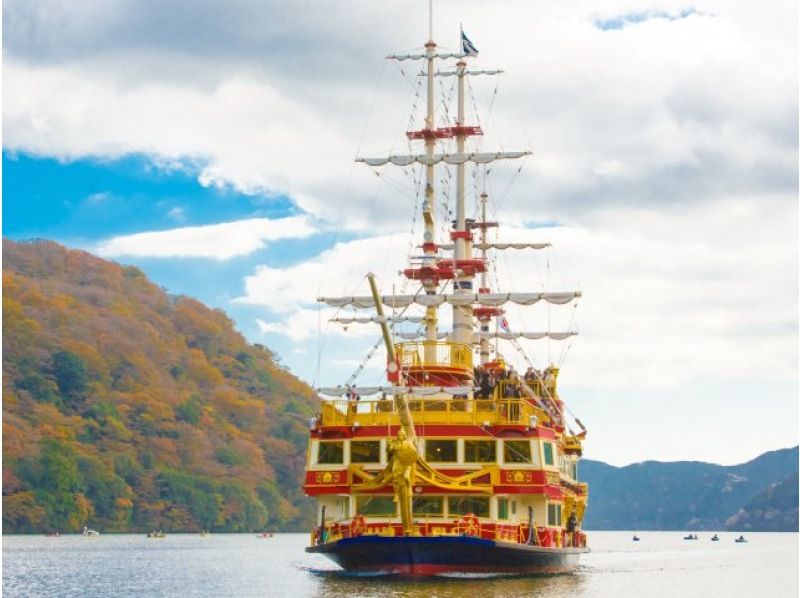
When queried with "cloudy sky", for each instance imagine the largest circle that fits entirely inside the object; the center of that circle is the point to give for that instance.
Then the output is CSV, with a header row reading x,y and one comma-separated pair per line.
x,y
212,145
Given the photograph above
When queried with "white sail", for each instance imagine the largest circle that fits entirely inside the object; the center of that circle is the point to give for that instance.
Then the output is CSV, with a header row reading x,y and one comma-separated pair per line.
x,y
417,334
454,158
470,72
508,336
425,55
556,336
435,300
340,391
450,246
378,319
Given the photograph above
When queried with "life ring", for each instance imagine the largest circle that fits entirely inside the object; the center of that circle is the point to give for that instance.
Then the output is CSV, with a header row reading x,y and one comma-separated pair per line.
x,y
470,526
358,526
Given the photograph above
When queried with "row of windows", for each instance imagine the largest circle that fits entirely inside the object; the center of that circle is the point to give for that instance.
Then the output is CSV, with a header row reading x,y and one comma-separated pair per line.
x,y
331,452
434,506
446,507
427,506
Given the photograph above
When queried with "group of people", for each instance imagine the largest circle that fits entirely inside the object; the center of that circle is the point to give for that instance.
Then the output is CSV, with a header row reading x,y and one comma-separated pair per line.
x,y
487,379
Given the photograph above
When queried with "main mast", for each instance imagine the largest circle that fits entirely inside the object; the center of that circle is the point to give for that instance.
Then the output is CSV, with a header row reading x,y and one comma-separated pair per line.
x,y
430,249
462,238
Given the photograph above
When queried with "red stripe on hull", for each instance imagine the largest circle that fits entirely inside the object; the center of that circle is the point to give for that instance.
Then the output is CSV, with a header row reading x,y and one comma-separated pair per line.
x,y
429,570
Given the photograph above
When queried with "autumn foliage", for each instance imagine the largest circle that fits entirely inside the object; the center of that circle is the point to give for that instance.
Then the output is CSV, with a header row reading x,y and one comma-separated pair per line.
x,y
127,409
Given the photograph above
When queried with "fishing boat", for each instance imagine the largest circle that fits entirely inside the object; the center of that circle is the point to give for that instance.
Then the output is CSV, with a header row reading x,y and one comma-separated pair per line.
x,y
457,464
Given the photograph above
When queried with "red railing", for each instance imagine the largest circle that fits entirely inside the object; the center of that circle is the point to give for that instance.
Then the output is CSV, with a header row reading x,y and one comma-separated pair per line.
x,y
546,537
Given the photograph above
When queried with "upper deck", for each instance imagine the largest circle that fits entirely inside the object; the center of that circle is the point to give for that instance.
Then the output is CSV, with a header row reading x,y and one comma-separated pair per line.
x,y
432,410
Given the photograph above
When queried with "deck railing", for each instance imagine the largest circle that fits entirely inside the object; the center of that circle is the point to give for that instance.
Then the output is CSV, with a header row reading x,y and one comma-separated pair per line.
x,y
428,411
433,354
546,537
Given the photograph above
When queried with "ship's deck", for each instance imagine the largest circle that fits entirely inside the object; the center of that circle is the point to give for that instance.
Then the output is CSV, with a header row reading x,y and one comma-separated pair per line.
x,y
451,410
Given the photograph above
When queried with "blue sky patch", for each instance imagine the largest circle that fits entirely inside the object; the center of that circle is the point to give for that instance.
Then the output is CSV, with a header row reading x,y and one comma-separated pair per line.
x,y
634,18
86,200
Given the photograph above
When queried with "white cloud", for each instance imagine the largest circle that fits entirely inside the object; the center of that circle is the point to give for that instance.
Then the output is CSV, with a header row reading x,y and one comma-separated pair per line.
x,y
215,241
341,269
177,214
663,110
99,197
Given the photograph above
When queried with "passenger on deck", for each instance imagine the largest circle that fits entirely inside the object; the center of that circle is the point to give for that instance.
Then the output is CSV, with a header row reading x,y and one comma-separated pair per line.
x,y
572,528
352,398
529,374
486,385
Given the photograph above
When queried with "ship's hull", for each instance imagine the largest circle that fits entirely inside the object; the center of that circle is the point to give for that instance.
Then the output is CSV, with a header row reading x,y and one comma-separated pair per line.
x,y
424,556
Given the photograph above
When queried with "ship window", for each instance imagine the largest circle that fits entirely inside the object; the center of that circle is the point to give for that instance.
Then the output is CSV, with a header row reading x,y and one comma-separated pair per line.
x,y
330,452
441,451
344,507
517,451
462,505
548,453
480,451
365,451
377,506
502,508
554,514
428,505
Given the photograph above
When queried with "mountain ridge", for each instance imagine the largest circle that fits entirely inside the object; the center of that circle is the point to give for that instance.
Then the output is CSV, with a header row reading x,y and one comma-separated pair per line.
x,y
693,495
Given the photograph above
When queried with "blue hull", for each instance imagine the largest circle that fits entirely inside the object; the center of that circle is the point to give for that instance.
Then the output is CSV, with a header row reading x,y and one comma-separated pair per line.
x,y
423,556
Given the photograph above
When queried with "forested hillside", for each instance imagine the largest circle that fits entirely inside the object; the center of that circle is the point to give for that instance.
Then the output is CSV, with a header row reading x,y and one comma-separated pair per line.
x,y
125,408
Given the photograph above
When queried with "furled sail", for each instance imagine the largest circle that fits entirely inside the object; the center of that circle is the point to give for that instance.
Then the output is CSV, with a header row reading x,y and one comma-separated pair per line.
x,y
450,246
378,319
340,391
414,335
508,336
425,55
454,158
470,72
435,300
555,336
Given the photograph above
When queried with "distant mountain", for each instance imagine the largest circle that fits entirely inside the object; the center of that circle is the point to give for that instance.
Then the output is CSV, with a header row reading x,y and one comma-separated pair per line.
x,y
128,409
773,510
761,494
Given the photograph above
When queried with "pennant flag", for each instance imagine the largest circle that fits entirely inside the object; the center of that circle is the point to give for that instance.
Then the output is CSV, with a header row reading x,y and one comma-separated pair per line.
x,y
504,325
467,47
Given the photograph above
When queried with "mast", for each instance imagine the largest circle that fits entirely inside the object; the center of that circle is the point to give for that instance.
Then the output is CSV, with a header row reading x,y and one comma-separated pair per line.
x,y
462,238
484,323
428,206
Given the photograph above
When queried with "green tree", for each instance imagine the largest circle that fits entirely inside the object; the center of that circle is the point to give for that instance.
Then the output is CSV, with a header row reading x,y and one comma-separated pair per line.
x,y
70,374
57,483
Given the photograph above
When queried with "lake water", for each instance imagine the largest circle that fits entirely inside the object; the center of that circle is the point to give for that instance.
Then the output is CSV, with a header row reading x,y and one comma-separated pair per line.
x,y
661,565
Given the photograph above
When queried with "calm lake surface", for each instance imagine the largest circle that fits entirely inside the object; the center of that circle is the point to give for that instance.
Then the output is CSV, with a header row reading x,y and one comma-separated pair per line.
x,y
661,565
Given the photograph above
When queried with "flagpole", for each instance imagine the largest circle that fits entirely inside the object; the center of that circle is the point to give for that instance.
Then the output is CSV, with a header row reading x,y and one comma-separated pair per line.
x,y
430,20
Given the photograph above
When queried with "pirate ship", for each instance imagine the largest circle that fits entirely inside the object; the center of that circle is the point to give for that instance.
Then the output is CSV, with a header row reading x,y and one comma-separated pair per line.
x,y
457,464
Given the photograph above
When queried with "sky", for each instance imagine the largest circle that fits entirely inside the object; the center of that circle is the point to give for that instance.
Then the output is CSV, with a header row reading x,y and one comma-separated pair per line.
x,y
213,146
